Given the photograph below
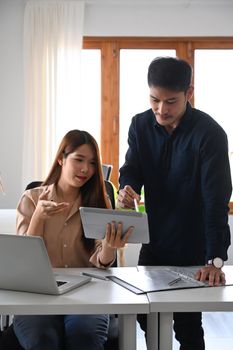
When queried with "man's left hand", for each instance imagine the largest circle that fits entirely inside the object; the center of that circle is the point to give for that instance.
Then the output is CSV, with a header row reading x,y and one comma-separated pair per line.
x,y
215,276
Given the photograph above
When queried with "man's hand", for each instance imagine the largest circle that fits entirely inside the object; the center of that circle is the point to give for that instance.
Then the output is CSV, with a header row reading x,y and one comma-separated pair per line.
x,y
126,198
215,276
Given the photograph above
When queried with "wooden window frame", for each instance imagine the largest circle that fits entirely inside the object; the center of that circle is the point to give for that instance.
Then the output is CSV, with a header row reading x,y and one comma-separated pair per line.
x,y
110,69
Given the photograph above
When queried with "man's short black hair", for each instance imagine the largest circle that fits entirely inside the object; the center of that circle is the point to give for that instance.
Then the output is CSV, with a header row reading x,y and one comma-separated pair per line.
x,y
170,73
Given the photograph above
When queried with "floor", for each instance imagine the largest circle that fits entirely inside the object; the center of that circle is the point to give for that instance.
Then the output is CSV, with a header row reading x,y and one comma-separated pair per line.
x,y
218,327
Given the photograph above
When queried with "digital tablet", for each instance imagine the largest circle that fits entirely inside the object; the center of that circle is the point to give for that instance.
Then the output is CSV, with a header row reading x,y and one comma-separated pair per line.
x,y
94,222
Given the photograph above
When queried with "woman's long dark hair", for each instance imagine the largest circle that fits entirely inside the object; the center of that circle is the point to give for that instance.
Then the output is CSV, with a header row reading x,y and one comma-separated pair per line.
x,y
93,192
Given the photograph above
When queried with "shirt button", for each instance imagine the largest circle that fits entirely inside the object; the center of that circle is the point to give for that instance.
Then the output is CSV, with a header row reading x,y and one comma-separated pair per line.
x,y
66,265
65,224
65,245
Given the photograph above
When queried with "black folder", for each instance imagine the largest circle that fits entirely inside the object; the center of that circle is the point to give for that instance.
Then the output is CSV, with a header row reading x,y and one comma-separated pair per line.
x,y
160,279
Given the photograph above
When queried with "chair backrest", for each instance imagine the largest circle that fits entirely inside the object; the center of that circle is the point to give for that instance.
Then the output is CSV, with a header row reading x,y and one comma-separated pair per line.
x,y
110,192
107,171
33,184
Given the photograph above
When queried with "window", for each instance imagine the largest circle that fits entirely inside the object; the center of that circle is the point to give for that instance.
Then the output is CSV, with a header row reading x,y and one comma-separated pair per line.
x,y
213,88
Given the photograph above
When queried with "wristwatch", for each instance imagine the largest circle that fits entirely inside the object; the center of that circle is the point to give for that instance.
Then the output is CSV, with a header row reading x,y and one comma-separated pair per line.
x,y
216,262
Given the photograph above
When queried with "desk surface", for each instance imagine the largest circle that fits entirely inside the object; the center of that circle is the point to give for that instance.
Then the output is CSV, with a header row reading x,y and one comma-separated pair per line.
x,y
98,296
196,299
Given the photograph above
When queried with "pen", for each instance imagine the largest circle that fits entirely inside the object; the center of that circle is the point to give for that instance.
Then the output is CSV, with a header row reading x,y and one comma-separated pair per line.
x,y
89,274
136,204
174,281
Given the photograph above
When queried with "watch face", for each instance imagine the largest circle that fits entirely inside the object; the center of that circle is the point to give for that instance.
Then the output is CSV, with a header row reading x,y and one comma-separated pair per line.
x,y
218,262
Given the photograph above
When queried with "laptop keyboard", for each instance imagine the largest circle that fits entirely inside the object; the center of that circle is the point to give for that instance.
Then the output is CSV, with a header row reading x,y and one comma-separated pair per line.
x,y
60,283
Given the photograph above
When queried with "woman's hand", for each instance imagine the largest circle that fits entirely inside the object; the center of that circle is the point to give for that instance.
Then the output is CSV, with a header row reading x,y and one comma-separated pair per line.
x,y
46,208
115,237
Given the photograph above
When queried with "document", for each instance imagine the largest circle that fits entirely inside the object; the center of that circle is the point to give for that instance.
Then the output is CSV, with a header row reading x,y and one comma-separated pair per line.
x,y
160,279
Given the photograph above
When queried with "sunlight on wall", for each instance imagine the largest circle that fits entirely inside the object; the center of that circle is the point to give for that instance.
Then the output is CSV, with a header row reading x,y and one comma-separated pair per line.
x,y
213,89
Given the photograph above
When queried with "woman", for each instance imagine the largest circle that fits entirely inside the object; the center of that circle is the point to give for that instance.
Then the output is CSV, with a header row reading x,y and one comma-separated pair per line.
x,y
52,212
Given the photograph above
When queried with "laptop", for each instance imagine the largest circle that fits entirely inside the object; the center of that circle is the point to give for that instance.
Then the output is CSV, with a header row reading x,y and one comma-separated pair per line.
x,y
25,266
94,222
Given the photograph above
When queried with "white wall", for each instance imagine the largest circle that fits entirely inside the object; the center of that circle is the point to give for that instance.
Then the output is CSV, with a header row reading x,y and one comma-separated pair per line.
x,y
159,18
11,99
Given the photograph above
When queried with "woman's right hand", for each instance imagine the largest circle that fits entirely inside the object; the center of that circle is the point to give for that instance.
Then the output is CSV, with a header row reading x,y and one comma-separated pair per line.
x,y
115,238
47,208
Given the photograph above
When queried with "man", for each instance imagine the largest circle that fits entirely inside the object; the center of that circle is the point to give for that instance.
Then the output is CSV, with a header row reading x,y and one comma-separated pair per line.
x,y
180,155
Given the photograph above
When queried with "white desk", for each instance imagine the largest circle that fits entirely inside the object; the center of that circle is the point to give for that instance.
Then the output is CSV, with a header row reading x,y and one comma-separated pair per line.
x,y
189,300
96,297
100,296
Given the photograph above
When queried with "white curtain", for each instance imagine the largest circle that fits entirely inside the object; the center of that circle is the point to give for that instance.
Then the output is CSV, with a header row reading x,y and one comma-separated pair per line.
x,y
53,32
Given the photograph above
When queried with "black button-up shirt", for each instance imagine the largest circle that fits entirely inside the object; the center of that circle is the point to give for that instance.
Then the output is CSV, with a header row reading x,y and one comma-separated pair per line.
x,y
187,184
